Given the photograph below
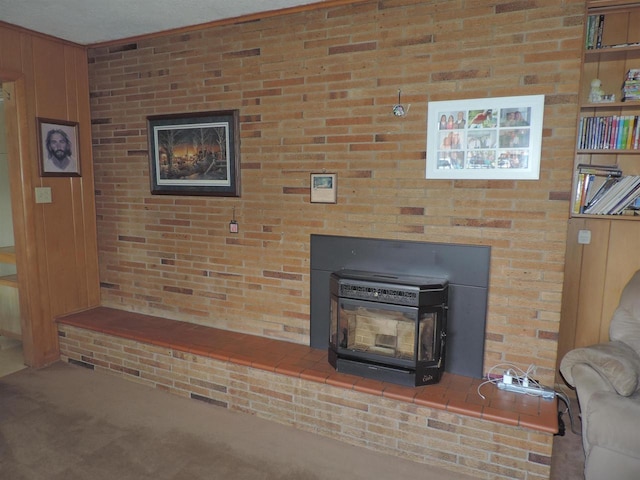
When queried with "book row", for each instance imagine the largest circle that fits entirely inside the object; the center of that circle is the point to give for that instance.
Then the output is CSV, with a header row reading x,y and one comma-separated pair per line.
x,y
603,190
614,132
595,30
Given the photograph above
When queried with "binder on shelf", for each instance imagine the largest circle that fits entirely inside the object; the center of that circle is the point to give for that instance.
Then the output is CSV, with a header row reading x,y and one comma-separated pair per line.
x,y
581,193
600,31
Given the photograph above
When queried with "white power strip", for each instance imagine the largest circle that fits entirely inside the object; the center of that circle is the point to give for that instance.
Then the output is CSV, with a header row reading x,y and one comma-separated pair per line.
x,y
544,392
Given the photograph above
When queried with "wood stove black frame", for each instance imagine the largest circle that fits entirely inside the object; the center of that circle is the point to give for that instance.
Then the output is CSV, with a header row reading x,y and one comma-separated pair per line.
x,y
466,267
387,302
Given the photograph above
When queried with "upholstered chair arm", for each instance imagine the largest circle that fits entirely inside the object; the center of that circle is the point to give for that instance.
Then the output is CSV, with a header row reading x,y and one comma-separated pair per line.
x,y
617,364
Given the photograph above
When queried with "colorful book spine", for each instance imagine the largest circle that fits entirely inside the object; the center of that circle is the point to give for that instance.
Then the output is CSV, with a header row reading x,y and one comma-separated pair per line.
x,y
615,132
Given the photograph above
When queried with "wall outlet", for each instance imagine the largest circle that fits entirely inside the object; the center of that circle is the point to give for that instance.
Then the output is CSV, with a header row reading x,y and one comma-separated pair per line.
x,y
43,194
584,237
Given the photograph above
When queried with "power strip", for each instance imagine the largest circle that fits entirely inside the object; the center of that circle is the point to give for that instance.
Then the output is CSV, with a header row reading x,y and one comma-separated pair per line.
x,y
544,392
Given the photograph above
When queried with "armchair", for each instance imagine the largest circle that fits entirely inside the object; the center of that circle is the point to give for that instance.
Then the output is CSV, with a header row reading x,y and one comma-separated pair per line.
x,y
606,379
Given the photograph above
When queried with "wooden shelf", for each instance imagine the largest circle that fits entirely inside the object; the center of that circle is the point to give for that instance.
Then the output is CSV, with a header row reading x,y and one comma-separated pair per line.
x,y
9,281
606,151
633,218
607,105
596,52
8,255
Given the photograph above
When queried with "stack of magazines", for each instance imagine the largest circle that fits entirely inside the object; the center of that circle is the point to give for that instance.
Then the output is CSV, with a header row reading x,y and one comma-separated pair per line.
x,y
631,86
603,190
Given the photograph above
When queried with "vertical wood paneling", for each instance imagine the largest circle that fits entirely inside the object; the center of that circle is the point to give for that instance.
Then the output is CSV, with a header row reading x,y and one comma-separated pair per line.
x,y
570,289
622,262
19,152
56,254
10,58
595,275
594,266
49,73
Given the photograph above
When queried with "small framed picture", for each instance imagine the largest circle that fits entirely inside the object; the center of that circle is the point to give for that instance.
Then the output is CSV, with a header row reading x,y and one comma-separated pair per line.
x,y
58,146
323,188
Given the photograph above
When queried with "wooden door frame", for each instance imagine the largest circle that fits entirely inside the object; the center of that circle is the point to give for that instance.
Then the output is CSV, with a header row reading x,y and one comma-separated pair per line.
x,y
19,151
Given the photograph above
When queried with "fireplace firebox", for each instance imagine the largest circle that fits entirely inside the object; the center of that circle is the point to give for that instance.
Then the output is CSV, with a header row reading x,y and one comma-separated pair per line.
x,y
388,327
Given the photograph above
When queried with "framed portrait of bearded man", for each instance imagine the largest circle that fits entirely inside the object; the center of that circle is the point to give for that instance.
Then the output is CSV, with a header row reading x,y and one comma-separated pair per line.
x,y
58,147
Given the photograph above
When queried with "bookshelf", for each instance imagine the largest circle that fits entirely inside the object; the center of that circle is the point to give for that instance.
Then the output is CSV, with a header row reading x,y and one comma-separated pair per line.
x,y
598,267
608,132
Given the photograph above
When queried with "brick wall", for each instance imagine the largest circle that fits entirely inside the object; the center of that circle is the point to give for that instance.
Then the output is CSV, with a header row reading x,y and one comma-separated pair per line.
x,y
481,448
315,91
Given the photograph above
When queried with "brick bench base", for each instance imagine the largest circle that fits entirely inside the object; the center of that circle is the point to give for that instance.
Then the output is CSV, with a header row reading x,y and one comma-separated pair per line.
x,y
502,436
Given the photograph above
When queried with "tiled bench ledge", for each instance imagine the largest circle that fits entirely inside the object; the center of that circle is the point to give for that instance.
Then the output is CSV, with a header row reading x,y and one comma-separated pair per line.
x,y
274,378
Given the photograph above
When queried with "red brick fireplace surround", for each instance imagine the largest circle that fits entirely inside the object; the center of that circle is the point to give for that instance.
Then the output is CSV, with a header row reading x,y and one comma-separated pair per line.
x,y
502,436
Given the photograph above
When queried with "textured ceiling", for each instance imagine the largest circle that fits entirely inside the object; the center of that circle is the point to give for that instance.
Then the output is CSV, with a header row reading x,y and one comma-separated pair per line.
x,y
94,21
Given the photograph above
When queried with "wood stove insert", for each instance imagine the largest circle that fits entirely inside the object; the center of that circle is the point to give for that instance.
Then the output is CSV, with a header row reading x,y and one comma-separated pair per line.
x,y
388,327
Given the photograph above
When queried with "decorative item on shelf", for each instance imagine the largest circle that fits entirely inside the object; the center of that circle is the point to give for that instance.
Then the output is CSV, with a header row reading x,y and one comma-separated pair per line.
x,y
596,92
398,109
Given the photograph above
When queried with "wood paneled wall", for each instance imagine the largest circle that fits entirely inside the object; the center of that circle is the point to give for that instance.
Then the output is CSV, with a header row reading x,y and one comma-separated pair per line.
x,y
56,243
595,275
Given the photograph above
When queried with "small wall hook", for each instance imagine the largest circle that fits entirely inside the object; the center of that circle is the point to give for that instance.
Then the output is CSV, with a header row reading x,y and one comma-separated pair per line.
x,y
398,109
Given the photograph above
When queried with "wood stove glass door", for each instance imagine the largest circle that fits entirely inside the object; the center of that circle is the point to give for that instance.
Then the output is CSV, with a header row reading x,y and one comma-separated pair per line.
x,y
428,349
379,332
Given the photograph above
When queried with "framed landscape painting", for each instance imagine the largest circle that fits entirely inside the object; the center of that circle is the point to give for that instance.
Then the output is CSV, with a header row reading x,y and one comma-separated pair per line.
x,y
195,154
486,138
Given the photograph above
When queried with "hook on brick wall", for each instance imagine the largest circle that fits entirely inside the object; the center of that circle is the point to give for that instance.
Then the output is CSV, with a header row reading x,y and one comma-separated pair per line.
x,y
398,109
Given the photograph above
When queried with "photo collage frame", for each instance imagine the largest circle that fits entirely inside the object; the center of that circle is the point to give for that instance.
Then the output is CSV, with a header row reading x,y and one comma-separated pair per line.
x,y
485,138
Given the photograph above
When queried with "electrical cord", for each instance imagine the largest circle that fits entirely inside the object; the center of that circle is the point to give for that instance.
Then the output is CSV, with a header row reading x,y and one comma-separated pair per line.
x,y
565,398
510,373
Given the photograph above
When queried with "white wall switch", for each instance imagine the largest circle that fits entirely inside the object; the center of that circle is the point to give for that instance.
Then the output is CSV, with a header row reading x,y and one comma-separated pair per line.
x,y
584,237
43,194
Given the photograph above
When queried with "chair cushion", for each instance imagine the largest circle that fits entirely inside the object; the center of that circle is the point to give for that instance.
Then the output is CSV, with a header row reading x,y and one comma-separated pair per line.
x,y
613,422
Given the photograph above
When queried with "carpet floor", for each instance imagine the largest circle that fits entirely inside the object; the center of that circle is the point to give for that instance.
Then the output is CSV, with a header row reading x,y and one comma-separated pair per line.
x,y
67,422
